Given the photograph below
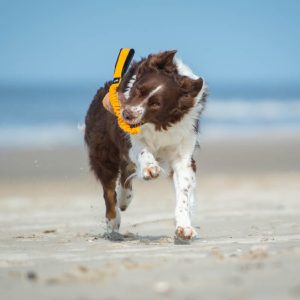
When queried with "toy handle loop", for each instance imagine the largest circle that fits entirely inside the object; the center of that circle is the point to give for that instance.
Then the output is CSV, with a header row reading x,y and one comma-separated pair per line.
x,y
123,61
121,66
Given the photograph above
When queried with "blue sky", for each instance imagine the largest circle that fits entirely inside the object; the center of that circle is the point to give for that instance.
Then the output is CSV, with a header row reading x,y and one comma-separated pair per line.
x,y
78,41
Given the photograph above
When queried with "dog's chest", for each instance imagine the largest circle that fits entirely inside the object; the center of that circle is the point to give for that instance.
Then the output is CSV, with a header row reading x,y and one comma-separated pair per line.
x,y
165,144
159,140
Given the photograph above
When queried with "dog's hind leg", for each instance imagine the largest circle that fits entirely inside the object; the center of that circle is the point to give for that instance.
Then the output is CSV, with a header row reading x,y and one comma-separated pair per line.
x,y
106,168
124,185
113,217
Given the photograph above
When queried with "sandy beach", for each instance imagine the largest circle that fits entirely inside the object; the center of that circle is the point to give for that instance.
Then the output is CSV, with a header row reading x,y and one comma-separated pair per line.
x,y
248,219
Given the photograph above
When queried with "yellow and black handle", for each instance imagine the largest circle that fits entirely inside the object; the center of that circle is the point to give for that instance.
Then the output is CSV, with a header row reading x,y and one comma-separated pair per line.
x,y
121,66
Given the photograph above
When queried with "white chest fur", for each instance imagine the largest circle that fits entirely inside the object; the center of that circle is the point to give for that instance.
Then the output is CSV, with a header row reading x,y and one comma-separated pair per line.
x,y
167,145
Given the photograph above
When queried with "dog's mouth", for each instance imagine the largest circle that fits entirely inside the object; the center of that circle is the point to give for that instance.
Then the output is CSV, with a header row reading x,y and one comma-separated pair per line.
x,y
135,123
133,117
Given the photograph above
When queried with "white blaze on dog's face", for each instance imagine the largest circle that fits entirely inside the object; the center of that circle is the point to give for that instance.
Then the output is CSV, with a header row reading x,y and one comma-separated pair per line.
x,y
134,111
158,94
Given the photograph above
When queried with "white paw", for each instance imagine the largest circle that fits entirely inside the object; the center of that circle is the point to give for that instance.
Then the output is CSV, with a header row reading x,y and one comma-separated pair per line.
x,y
113,225
185,233
124,197
150,171
148,166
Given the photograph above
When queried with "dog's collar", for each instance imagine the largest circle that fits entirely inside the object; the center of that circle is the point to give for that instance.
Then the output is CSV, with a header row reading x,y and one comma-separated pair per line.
x,y
111,101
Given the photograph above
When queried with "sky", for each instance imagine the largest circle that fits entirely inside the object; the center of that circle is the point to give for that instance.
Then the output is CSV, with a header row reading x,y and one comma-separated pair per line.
x,y
78,41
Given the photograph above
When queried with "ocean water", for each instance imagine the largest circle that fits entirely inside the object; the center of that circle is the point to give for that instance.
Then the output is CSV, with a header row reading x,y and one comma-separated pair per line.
x,y
48,116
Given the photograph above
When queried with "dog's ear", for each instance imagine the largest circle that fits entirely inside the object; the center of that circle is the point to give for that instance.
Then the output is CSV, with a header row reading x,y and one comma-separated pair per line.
x,y
191,86
163,61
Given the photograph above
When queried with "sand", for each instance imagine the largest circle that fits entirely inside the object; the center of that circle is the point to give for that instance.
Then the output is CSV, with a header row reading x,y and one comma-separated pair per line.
x,y
52,242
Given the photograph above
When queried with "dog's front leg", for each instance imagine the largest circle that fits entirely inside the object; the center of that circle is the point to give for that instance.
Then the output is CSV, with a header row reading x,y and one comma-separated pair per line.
x,y
184,183
146,165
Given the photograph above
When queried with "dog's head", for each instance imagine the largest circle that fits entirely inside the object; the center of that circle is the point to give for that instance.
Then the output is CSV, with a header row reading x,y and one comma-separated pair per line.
x,y
159,95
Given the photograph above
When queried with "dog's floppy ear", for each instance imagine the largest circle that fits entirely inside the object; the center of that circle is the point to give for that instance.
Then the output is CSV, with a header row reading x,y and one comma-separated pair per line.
x,y
163,60
191,86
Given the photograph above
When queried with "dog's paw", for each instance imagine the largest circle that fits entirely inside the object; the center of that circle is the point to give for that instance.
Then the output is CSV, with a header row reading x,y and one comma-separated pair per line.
x,y
185,233
113,225
150,171
124,197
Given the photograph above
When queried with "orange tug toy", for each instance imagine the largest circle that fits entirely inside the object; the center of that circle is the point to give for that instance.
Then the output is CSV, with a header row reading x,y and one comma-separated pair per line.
x,y
111,101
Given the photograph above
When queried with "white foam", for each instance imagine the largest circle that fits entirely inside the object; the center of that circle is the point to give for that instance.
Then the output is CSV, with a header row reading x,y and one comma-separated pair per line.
x,y
242,110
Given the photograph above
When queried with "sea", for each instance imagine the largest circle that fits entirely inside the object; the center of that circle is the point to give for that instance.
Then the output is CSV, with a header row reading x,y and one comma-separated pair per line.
x,y
50,115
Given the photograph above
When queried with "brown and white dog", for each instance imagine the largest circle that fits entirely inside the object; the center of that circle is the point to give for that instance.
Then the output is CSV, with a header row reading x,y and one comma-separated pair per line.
x,y
165,98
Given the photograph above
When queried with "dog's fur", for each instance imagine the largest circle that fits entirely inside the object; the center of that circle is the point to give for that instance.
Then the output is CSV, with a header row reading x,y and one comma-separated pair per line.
x,y
163,96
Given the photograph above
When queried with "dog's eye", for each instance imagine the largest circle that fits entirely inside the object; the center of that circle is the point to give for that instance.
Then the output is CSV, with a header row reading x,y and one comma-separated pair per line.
x,y
154,105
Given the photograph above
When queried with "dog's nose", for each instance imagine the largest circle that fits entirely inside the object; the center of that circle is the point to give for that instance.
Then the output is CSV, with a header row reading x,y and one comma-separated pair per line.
x,y
128,115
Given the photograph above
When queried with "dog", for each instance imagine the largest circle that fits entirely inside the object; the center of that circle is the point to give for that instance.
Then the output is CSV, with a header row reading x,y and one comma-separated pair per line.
x,y
165,98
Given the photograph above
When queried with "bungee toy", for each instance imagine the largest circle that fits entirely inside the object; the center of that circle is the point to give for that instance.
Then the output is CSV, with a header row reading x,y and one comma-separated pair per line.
x,y
121,66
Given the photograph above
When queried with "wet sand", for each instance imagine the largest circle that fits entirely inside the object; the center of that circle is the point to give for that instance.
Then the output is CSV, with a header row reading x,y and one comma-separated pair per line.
x,y
52,243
